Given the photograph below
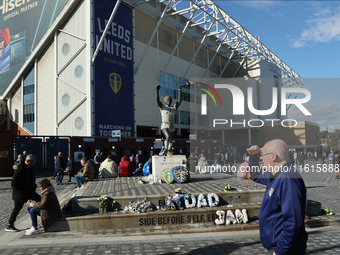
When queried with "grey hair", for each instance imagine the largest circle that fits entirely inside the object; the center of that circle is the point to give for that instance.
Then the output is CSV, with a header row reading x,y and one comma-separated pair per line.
x,y
31,157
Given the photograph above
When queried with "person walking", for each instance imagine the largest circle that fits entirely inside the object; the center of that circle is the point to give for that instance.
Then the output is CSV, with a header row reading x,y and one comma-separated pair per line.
x,y
330,157
70,168
282,213
23,188
60,167
55,167
301,159
48,208
295,158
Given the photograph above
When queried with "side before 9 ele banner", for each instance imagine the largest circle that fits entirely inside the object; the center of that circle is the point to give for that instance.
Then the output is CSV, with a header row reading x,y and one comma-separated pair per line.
x,y
22,25
114,106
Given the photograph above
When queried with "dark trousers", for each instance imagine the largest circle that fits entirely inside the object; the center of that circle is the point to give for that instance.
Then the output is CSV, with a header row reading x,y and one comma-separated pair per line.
x,y
18,204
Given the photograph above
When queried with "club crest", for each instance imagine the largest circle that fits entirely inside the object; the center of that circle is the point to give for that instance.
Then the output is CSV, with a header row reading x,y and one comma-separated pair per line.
x,y
115,82
271,192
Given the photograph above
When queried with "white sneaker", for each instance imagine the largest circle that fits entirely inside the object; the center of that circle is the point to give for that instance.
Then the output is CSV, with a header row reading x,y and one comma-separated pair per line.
x,y
32,232
27,230
76,189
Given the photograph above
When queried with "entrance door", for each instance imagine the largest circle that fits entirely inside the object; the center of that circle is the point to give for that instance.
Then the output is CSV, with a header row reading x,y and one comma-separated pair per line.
x,y
37,150
63,148
21,145
51,151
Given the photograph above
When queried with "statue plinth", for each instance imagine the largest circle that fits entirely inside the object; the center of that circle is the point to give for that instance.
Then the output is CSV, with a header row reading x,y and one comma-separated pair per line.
x,y
160,163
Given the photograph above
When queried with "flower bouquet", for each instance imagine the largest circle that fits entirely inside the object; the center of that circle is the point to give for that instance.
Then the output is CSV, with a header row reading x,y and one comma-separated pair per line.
x,y
106,204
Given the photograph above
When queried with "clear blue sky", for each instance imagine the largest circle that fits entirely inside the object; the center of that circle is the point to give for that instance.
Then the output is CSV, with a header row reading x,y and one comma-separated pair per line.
x,y
306,36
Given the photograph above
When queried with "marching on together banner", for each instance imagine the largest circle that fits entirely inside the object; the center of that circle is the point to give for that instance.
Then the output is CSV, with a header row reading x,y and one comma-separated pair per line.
x,y
114,104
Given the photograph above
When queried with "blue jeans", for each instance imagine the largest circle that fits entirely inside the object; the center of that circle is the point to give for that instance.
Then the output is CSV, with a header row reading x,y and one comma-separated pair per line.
x,y
80,180
60,176
34,212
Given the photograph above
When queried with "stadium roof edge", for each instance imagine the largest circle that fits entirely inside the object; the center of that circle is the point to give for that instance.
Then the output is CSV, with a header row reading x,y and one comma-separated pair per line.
x,y
66,11
230,31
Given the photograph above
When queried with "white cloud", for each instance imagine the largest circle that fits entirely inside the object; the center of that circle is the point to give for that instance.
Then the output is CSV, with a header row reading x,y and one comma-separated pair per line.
x,y
326,115
323,26
265,5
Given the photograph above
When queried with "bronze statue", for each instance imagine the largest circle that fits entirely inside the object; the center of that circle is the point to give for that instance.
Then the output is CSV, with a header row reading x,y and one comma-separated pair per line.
x,y
168,114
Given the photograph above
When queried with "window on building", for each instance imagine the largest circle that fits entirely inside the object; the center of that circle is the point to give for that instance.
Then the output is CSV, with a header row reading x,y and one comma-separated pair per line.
x,y
28,100
169,87
4,153
185,118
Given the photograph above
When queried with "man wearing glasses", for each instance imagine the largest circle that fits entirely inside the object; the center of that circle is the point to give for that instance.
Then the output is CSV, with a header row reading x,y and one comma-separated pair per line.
x,y
282,214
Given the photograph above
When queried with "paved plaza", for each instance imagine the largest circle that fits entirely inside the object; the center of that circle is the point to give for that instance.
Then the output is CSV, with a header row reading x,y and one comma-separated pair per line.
x,y
321,186
321,241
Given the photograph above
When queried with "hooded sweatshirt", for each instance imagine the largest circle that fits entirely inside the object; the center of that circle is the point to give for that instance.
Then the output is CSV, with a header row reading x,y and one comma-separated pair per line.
x,y
125,167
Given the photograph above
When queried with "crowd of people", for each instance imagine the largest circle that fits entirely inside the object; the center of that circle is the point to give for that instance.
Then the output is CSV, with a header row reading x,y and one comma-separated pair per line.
x,y
284,200
47,205
219,160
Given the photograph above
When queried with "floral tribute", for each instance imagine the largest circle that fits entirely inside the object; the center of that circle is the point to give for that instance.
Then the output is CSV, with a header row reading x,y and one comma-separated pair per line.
x,y
213,200
221,216
201,201
168,205
139,207
241,217
187,199
106,204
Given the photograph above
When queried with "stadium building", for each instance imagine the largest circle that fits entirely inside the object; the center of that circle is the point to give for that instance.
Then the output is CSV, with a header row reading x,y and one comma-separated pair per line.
x,y
81,72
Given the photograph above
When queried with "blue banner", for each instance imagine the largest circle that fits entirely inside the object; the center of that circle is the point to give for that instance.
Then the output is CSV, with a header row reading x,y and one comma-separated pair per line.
x,y
114,102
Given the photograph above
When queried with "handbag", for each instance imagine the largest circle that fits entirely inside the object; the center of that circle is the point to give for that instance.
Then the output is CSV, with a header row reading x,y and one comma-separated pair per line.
x,y
67,169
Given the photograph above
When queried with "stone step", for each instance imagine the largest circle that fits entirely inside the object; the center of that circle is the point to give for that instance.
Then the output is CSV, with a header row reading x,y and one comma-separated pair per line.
x,y
195,216
90,204
120,220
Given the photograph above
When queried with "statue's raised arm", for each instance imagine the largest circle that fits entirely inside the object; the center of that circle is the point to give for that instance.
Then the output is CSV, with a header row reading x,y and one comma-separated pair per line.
x,y
178,103
158,87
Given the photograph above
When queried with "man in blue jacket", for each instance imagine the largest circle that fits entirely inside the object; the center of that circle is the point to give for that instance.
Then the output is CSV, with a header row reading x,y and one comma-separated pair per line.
x,y
147,169
282,214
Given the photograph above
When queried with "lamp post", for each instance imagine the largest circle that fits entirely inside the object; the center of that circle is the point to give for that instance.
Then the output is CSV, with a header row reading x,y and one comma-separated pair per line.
x,y
327,138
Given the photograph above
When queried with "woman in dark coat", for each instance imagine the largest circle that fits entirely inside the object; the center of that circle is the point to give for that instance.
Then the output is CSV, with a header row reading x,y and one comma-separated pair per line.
x,y
70,165
48,208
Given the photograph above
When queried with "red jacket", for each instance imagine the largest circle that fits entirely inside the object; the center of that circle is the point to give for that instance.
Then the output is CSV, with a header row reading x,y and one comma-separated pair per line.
x,y
125,167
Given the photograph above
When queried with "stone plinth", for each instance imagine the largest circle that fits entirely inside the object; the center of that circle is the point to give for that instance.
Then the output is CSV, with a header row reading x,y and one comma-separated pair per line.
x,y
160,163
